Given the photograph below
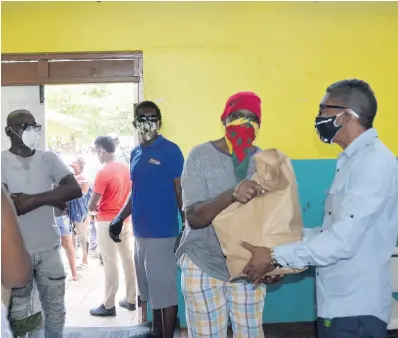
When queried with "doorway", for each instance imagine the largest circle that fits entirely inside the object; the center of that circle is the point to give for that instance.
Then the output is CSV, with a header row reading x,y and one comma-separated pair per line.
x,y
74,116
77,97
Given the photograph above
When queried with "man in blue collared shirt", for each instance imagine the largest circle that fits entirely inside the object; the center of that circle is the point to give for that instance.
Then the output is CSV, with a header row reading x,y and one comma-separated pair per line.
x,y
353,247
154,203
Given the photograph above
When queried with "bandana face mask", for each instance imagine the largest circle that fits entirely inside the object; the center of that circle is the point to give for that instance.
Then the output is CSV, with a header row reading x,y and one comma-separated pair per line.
x,y
147,126
239,136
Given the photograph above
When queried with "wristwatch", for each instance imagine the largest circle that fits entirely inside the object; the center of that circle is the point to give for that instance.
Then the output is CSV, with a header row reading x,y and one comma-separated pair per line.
x,y
274,261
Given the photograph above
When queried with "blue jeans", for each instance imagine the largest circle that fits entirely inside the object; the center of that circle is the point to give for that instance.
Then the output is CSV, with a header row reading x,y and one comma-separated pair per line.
x,y
49,275
65,228
352,327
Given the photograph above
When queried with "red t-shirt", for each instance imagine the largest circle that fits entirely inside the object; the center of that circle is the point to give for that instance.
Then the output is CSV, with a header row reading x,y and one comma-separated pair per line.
x,y
113,183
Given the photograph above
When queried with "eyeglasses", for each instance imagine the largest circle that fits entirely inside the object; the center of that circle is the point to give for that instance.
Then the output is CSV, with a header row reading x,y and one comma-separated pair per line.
x,y
325,106
27,126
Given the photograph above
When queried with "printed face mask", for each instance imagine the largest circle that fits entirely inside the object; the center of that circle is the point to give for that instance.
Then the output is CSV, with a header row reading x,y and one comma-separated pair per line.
x,y
147,126
239,136
148,130
327,128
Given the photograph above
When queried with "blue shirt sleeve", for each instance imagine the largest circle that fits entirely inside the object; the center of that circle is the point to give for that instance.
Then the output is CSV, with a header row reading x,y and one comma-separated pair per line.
x,y
132,154
131,159
176,161
355,208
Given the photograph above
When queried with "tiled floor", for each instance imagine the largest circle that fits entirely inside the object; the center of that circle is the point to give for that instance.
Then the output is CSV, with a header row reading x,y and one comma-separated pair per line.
x,y
87,293
296,330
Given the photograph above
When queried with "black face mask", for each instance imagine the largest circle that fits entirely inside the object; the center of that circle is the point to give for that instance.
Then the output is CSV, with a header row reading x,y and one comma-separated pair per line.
x,y
326,128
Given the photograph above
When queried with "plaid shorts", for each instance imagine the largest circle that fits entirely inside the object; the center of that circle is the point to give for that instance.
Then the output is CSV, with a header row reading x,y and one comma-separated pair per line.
x,y
209,302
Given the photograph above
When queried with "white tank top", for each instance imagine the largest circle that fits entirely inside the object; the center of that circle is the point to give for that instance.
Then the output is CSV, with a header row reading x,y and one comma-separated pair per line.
x,y
5,325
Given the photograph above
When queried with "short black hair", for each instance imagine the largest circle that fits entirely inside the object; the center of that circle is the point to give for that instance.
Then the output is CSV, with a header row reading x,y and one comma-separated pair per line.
x,y
106,142
358,96
148,104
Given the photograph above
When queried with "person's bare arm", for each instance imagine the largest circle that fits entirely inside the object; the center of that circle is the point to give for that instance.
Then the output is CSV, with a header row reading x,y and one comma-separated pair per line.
x,y
67,186
178,191
200,210
99,188
16,264
175,166
67,190
92,204
202,214
127,208
85,187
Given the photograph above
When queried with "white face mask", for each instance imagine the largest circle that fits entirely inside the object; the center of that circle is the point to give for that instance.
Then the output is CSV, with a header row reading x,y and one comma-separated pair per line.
x,y
30,138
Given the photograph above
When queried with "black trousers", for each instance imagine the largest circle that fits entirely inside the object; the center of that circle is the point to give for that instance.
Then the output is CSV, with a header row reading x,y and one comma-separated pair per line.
x,y
352,327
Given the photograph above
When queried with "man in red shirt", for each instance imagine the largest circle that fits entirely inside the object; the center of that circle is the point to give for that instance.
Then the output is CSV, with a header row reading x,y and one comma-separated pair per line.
x,y
111,190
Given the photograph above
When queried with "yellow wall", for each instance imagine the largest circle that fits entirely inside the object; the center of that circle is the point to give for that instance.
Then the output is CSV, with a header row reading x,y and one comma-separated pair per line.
x,y
196,54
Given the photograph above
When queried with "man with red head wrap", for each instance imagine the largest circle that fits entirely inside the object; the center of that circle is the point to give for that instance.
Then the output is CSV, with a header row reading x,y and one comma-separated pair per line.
x,y
241,128
215,175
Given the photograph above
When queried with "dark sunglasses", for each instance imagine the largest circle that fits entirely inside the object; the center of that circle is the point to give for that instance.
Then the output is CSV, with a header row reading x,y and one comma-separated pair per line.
x,y
27,126
146,118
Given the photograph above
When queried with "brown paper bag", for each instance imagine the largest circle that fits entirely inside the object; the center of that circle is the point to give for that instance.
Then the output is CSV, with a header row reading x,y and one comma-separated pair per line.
x,y
268,221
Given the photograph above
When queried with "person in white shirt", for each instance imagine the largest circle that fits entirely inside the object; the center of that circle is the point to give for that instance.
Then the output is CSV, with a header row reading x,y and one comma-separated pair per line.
x,y
29,175
352,249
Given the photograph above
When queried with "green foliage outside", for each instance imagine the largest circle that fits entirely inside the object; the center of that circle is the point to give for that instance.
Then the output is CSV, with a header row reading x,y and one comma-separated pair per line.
x,y
102,109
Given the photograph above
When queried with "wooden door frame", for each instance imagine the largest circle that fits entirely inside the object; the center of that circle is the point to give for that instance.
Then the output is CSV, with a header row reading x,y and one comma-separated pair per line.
x,y
70,56
72,68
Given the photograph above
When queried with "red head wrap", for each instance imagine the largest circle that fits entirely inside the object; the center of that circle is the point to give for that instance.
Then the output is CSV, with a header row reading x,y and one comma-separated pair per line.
x,y
243,100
